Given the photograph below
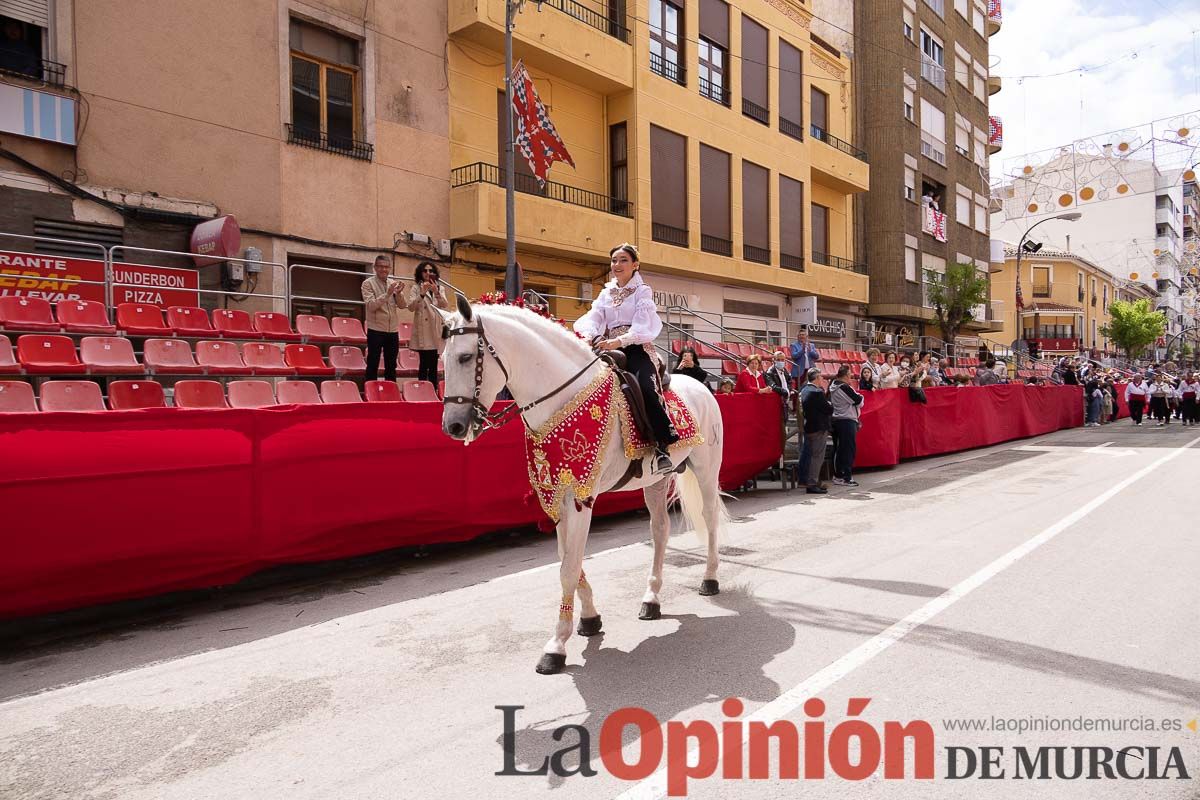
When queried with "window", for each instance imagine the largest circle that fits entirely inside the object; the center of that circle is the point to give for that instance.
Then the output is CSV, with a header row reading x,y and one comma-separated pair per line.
x,y
908,25
25,33
791,91
791,223
978,18
756,216
933,132
933,62
715,235
618,170
962,136
981,215
666,49
980,147
980,82
962,71
713,51
754,71
910,184
1041,282
910,263
910,113
668,187
963,8
325,77
1106,298
962,208
820,233
820,111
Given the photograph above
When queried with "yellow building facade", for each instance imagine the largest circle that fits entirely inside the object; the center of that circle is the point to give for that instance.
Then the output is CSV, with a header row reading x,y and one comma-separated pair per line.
x,y
1066,300
642,96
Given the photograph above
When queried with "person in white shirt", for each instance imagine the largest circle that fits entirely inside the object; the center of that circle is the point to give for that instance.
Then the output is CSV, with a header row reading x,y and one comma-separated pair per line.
x,y
623,317
1161,393
1189,395
1136,396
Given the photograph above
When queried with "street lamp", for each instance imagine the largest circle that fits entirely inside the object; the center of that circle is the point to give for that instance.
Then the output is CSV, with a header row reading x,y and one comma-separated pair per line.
x,y
1070,216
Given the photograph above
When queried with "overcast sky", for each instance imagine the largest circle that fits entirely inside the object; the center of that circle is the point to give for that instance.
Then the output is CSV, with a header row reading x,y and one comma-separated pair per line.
x,y
1042,37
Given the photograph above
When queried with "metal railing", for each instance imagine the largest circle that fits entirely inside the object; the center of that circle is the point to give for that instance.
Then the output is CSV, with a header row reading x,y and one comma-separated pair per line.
x,y
318,140
1042,289
668,234
934,73
482,172
756,112
49,72
603,21
671,70
792,129
715,244
759,255
794,263
838,262
820,134
718,94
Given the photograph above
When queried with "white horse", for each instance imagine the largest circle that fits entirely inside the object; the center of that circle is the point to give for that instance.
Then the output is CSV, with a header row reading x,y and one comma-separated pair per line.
x,y
491,346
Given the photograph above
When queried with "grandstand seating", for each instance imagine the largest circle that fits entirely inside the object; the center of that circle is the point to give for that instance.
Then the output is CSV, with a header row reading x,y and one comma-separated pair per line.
x,y
251,394
729,367
306,360
85,316
404,330
382,391
408,362
169,357
16,397
347,360
273,325
298,392
109,355
420,392
349,330
221,358
27,314
190,321
340,392
315,329
47,355
199,394
72,396
142,319
8,363
233,323
124,395
265,359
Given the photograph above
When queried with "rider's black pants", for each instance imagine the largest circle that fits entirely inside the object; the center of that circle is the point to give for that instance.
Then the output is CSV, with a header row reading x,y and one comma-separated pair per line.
x,y
640,364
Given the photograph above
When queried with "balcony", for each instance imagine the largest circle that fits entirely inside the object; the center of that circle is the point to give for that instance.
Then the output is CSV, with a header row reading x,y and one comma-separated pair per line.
x,y
1166,216
758,255
339,145
839,165
994,17
994,84
718,94
995,135
559,219
934,73
838,263
1044,289
671,70
794,263
933,148
668,234
715,244
933,222
756,112
41,70
1060,345
561,37
824,136
792,129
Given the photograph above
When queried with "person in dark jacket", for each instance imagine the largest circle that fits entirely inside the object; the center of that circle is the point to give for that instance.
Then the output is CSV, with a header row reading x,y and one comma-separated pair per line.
x,y
818,419
689,364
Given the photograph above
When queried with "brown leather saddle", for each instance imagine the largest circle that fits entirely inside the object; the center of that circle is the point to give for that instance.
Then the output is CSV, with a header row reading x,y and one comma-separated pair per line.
x,y
632,390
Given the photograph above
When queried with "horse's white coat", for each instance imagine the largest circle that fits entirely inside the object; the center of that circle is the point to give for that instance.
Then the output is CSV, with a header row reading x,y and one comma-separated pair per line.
x,y
539,356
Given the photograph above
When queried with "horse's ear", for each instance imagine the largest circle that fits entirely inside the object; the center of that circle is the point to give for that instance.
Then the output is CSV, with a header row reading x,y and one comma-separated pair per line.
x,y
464,308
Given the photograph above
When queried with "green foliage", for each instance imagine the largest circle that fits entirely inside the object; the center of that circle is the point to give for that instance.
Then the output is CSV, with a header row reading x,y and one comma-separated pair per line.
x,y
1134,325
955,296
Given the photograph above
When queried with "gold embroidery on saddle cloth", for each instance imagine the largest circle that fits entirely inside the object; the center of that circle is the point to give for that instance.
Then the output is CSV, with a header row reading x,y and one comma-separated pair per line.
x,y
681,418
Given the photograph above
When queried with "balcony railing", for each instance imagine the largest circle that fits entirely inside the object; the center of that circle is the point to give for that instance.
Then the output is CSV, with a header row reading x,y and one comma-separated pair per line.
x,y
823,136
838,262
671,70
933,222
756,112
758,255
718,94
481,172
715,244
939,6
995,134
933,72
792,129
794,263
933,149
343,146
668,235
1042,289
599,20
1082,294
37,69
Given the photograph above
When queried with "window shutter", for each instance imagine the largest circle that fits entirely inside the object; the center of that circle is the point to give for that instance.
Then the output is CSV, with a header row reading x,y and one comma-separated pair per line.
x,y
714,193
668,178
714,22
791,217
35,12
791,84
754,62
755,206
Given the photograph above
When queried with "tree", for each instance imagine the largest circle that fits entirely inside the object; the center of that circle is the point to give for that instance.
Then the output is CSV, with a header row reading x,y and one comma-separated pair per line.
x,y
1134,325
955,297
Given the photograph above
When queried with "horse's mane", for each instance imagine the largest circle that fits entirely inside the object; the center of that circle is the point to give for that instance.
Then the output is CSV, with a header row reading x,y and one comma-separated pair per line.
x,y
530,319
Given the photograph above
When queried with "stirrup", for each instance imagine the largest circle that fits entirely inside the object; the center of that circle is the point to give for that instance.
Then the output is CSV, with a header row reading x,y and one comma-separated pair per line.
x,y
662,463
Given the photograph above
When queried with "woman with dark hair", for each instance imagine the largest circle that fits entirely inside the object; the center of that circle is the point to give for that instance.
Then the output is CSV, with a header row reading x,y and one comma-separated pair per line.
x,y
425,296
623,317
689,364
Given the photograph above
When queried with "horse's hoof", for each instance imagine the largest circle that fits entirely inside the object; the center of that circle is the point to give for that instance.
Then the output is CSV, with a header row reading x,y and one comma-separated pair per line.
x,y
650,611
709,587
589,626
551,663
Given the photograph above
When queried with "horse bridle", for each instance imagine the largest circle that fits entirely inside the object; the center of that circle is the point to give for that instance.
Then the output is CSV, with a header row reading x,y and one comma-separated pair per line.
x,y
481,418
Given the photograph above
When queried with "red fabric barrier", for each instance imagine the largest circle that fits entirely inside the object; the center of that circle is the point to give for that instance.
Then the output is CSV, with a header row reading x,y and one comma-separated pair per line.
x,y
112,505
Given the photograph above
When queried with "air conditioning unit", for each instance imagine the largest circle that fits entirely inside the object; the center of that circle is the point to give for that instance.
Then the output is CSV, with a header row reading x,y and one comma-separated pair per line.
x,y
868,331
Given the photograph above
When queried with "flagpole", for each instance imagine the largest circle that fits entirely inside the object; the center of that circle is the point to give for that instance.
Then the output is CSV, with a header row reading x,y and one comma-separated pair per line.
x,y
512,278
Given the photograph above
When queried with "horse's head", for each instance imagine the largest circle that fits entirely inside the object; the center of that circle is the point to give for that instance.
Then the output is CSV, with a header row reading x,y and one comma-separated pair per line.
x,y
473,377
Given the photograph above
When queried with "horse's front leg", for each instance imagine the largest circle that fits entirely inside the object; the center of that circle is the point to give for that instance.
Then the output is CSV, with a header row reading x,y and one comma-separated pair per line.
x,y
660,530
573,526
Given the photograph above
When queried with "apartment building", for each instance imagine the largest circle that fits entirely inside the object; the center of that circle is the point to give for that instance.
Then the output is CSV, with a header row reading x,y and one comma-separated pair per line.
x,y
320,125
923,101
714,137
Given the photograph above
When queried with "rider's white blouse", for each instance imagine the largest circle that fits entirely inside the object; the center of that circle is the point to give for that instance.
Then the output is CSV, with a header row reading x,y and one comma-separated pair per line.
x,y
616,308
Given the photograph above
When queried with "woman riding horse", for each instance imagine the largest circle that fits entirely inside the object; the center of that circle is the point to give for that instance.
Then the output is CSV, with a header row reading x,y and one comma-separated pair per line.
x,y
623,317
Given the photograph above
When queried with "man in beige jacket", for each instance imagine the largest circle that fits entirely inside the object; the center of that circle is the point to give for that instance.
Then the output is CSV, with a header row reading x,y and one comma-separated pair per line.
x,y
383,303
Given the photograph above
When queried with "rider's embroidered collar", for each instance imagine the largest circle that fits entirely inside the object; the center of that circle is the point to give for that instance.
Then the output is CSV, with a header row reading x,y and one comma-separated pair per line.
x,y
618,294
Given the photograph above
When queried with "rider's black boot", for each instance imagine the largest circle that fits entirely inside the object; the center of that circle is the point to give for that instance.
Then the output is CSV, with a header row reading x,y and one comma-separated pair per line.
x,y
662,462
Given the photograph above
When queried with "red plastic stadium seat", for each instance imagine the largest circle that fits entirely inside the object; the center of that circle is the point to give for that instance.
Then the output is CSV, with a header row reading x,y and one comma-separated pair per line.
x,y
273,325
190,321
348,329
221,358
827,355
298,392
8,363
729,367
677,346
141,319
408,362
109,355
314,328
233,323
265,359
382,391
340,392
47,355
404,329
420,392
124,395
16,397
306,360
26,314
85,316
251,394
199,394
347,360
705,351
170,357
72,396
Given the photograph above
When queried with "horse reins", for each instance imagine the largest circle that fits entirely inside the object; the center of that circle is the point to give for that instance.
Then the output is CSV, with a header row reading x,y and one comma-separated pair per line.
x,y
482,418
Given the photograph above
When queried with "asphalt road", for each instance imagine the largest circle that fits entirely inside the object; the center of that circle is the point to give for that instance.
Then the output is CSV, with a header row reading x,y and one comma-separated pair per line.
x,y
1051,579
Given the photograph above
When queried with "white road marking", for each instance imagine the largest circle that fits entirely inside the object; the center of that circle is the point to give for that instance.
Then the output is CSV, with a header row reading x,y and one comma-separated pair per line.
x,y
655,786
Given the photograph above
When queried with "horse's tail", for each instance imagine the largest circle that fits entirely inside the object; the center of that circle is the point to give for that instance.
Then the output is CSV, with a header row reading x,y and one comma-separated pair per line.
x,y
692,499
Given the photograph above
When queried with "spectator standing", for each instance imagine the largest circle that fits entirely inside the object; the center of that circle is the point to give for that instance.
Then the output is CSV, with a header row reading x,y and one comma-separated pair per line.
x,y
818,417
869,375
804,357
381,298
778,380
847,406
689,364
1095,402
1112,392
752,380
889,372
424,298
933,371
1137,394
986,375
911,373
